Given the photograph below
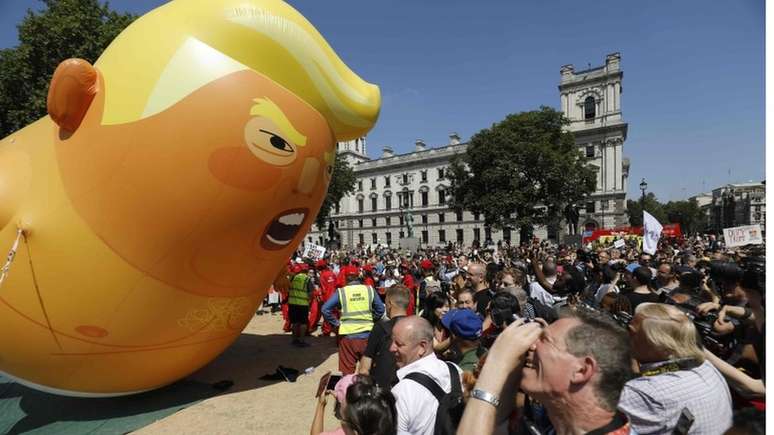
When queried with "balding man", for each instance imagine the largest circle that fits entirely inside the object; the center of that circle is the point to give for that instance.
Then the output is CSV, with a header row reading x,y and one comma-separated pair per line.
x,y
477,279
412,345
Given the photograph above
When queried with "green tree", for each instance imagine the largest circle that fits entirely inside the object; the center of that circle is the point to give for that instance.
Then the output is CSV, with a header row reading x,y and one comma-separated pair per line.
x,y
342,183
63,29
521,172
687,214
652,206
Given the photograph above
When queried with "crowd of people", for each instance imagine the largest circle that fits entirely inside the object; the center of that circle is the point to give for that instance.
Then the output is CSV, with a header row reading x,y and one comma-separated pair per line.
x,y
539,338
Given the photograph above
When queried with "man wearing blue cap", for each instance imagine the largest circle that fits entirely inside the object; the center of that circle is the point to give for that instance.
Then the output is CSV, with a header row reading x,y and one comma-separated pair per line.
x,y
465,326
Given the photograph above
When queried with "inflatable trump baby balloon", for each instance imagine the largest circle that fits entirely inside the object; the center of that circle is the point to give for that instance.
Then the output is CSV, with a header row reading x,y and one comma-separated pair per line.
x,y
153,208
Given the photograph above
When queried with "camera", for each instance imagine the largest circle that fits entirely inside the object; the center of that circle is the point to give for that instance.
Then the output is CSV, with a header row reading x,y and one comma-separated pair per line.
x,y
721,345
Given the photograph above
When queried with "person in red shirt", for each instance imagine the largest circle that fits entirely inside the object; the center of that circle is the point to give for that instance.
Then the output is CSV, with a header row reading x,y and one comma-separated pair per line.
x,y
282,286
327,288
408,281
368,275
315,303
345,268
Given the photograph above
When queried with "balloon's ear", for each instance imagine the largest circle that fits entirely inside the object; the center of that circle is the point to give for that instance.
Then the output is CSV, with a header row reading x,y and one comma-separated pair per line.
x,y
72,89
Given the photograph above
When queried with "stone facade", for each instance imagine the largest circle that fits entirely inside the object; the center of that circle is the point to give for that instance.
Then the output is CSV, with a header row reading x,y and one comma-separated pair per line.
x,y
396,184
591,100
738,204
704,202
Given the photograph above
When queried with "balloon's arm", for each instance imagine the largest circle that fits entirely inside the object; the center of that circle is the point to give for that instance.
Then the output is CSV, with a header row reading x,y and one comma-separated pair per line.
x,y
73,87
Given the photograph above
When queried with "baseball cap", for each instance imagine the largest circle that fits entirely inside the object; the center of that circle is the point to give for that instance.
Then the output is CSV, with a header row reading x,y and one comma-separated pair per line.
x,y
351,271
426,264
320,264
463,323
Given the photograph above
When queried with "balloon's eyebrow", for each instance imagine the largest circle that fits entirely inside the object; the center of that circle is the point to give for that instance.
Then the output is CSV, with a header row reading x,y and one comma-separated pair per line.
x,y
266,108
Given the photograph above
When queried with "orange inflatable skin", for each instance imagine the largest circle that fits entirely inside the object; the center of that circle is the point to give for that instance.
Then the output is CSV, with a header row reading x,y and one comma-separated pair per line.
x,y
207,209
149,241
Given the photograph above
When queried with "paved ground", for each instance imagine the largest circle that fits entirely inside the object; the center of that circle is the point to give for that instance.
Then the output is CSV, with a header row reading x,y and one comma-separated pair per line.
x,y
253,406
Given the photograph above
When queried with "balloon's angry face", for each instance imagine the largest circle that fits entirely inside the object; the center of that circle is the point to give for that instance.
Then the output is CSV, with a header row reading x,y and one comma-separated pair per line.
x,y
210,194
274,149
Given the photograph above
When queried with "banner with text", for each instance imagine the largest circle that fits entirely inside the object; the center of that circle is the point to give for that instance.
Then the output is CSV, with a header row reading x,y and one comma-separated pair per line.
x,y
313,251
746,235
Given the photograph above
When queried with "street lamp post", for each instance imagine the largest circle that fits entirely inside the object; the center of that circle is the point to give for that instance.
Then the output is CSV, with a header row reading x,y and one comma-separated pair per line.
x,y
643,187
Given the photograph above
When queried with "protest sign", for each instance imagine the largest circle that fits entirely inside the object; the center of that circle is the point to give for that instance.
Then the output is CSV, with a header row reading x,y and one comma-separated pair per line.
x,y
313,251
746,235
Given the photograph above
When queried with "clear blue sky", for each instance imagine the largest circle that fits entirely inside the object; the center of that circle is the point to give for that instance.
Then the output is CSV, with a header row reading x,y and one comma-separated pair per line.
x,y
693,72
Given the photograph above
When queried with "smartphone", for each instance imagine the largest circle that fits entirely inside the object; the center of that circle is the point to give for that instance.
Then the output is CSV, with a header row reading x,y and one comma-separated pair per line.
x,y
684,423
332,381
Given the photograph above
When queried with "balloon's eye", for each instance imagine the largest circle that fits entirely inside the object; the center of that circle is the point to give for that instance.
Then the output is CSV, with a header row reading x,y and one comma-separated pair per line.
x,y
264,143
278,142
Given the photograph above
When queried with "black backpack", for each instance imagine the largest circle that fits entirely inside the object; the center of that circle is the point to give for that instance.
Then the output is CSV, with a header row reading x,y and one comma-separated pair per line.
x,y
450,405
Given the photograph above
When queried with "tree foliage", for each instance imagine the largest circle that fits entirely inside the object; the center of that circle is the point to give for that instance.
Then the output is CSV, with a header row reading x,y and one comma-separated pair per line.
x,y
63,29
342,183
652,206
521,172
686,213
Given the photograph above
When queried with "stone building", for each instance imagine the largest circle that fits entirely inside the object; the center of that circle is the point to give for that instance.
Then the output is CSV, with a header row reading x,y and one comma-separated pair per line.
x,y
398,185
393,186
704,202
737,204
591,100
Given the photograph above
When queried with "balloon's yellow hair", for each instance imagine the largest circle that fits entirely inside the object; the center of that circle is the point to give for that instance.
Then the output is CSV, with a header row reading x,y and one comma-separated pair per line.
x,y
179,47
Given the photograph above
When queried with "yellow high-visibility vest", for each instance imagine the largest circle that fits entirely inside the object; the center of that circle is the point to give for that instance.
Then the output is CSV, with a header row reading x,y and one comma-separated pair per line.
x,y
298,294
356,313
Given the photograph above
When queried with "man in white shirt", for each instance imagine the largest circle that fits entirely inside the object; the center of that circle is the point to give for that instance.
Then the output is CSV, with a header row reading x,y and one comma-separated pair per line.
x,y
536,291
412,345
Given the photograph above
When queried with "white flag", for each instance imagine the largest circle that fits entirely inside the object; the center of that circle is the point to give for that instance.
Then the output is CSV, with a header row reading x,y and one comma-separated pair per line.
x,y
651,233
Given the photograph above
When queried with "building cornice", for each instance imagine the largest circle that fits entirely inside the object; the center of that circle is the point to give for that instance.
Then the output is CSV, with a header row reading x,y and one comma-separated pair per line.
x,y
421,158
617,127
577,81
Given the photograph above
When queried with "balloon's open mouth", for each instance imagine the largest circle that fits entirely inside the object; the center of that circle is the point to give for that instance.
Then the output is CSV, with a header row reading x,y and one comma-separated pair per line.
x,y
283,228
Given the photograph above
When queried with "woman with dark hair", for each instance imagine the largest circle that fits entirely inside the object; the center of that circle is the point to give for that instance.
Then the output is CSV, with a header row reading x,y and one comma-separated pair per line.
x,y
363,407
437,304
616,303
610,276
640,282
370,409
502,311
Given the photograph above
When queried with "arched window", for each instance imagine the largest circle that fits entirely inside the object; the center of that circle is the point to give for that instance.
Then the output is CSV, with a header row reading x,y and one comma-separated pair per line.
x,y
589,108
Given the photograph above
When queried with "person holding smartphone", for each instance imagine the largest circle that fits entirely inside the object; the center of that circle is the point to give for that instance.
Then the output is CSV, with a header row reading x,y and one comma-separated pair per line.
x,y
363,408
336,386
